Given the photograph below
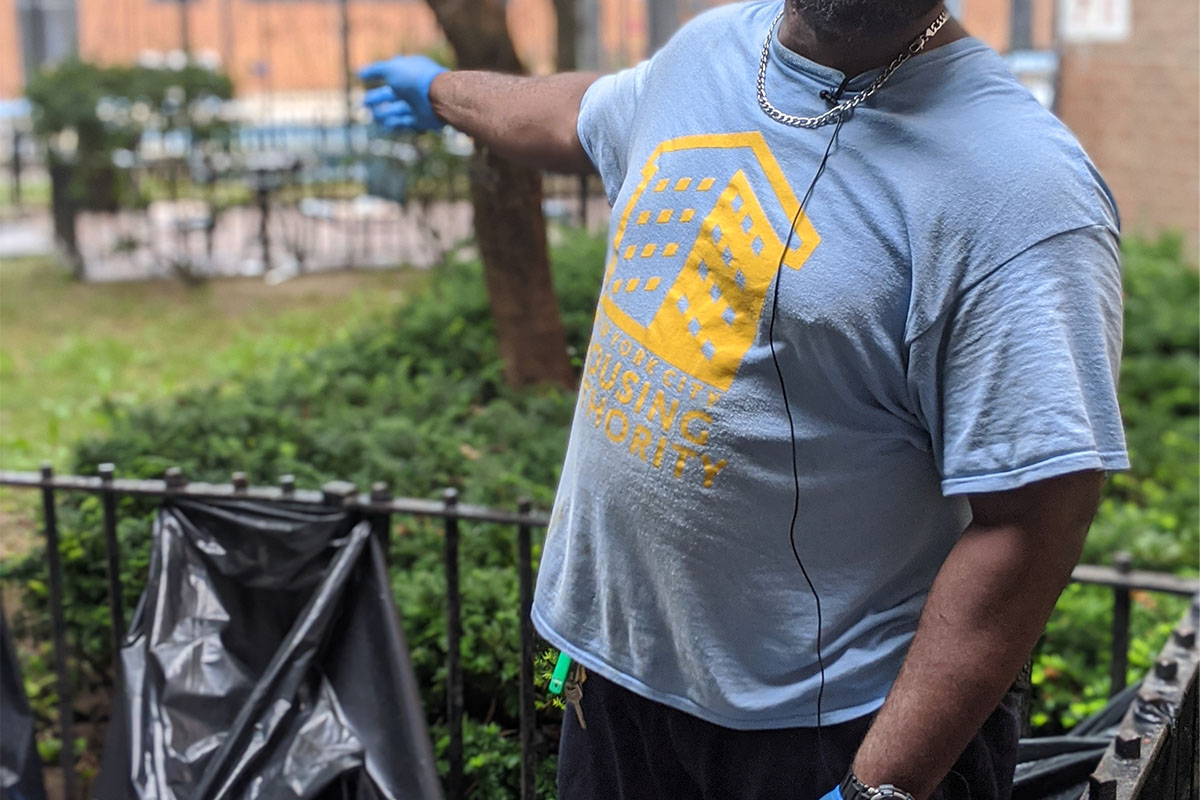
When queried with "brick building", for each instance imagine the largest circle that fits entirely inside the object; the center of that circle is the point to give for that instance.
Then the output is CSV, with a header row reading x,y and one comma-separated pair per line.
x,y
285,45
11,73
1129,87
294,45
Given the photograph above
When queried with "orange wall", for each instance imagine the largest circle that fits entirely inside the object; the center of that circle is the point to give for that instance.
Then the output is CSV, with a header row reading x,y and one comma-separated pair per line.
x,y
10,51
1135,106
624,36
988,20
1043,24
298,41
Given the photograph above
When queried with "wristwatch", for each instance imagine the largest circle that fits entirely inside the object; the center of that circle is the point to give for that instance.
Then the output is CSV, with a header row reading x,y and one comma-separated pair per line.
x,y
854,789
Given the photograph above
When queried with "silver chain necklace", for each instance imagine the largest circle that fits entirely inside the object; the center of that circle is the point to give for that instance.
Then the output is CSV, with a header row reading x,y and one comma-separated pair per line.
x,y
846,106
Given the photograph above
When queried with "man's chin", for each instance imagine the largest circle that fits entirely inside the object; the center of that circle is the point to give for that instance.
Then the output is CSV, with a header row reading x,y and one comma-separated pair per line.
x,y
854,20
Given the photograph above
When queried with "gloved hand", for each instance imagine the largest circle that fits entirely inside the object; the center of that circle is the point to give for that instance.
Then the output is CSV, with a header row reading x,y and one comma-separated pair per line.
x,y
834,794
403,103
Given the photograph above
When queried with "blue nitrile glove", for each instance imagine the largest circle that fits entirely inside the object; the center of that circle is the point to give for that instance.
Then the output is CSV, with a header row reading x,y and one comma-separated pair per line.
x,y
402,104
835,794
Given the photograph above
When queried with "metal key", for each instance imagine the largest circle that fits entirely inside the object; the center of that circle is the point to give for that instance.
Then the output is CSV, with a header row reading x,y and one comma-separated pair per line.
x,y
573,696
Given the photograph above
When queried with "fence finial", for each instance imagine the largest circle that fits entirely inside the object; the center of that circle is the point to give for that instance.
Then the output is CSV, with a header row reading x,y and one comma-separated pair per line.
x,y
1102,787
1166,669
1128,745
336,493
1185,637
175,479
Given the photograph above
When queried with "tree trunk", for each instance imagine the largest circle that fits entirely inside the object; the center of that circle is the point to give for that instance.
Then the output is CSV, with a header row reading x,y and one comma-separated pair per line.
x,y
509,225
65,212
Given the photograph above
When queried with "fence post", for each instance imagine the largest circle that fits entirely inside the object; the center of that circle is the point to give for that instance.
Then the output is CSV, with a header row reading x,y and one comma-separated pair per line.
x,y
381,522
174,479
113,559
1123,562
583,202
454,678
528,712
262,194
336,493
65,709
15,164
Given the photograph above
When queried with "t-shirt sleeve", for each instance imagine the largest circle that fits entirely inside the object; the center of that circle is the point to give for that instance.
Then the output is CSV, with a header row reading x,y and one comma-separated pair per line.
x,y
1016,380
606,119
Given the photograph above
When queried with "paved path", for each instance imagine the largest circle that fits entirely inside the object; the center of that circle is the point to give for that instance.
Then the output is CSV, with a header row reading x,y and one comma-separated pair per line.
x,y
28,235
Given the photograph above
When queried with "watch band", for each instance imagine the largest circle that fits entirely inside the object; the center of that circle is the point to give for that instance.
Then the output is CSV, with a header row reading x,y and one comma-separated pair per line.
x,y
854,789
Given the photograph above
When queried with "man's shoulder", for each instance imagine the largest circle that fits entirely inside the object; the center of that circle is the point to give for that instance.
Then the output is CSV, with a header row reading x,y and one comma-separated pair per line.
x,y
992,174
997,125
1002,155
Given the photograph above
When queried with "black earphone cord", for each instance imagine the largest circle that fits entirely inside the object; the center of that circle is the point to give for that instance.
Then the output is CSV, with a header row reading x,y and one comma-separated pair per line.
x,y
792,424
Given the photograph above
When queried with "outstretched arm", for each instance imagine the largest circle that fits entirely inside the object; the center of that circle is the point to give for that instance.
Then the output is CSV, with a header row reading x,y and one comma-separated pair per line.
x,y
531,120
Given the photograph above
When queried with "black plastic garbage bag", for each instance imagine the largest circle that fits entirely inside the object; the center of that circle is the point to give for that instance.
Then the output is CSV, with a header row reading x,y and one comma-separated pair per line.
x,y
20,766
266,661
1057,767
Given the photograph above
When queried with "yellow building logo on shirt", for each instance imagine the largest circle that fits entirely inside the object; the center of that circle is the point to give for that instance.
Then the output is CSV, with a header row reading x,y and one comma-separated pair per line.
x,y
695,252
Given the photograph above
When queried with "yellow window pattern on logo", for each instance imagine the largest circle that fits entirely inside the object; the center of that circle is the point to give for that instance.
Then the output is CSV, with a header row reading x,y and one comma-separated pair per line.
x,y
710,313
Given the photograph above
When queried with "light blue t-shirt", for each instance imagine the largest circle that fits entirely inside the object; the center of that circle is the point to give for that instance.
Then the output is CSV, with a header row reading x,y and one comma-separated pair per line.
x,y
949,322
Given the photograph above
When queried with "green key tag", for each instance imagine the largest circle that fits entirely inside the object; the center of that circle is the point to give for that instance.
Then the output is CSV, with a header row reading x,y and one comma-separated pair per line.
x,y
559,677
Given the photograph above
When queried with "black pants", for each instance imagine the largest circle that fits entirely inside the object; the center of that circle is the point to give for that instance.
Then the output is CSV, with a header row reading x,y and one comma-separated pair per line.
x,y
637,749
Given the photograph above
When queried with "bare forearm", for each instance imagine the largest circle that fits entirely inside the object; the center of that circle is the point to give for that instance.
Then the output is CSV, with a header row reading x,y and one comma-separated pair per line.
x,y
986,610
531,120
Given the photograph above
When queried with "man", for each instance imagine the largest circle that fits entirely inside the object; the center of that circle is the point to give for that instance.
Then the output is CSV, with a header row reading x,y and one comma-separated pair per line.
x,y
832,465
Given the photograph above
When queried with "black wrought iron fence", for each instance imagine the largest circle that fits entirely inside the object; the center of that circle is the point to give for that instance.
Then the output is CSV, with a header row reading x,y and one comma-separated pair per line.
x,y
1154,754
380,507
377,504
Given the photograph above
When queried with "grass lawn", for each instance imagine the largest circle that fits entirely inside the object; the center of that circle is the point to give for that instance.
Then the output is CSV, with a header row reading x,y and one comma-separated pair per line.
x,y
67,348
